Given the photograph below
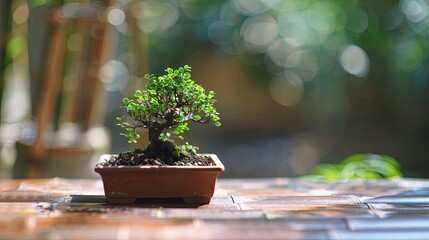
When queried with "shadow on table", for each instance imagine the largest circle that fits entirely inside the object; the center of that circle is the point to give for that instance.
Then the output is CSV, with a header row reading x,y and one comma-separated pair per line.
x,y
78,203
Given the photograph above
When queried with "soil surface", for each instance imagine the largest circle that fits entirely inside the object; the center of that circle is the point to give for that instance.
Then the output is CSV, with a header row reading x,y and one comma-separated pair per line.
x,y
139,157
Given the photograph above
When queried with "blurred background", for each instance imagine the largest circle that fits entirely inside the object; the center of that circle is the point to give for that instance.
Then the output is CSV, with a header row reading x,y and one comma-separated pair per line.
x,y
298,82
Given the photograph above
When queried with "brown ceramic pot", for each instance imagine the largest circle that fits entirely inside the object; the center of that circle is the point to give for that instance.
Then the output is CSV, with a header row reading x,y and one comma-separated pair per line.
x,y
126,184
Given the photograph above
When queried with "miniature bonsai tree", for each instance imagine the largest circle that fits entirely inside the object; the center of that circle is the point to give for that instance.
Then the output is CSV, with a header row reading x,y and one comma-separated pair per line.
x,y
165,108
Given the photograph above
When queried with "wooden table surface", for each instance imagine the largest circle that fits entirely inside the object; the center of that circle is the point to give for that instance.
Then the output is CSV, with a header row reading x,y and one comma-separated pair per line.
x,y
274,208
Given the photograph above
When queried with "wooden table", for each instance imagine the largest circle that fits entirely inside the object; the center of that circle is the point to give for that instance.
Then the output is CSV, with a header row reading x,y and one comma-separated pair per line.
x,y
275,208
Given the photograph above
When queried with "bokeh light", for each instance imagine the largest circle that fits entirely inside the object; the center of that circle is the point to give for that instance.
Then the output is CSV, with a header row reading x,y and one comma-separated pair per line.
x,y
20,14
287,89
157,16
415,10
304,158
252,7
294,28
409,55
219,32
116,16
325,17
279,51
114,75
354,60
259,32
75,42
357,20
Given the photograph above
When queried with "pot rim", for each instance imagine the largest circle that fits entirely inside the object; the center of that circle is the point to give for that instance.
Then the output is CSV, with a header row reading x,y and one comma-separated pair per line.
x,y
218,167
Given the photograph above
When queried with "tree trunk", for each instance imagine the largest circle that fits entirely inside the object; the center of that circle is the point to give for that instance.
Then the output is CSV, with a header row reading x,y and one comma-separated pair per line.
x,y
159,148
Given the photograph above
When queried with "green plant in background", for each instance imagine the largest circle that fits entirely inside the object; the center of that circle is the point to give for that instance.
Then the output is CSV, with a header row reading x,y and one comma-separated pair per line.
x,y
166,106
357,166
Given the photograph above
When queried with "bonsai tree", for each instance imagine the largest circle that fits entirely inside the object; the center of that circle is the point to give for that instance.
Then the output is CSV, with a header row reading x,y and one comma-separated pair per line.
x,y
165,108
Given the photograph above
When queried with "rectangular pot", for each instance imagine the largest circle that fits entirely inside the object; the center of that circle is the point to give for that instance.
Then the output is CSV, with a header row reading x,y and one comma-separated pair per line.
x,y
126,184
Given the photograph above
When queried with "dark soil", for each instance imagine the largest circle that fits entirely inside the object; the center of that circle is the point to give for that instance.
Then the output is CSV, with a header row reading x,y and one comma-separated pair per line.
x,y
139,157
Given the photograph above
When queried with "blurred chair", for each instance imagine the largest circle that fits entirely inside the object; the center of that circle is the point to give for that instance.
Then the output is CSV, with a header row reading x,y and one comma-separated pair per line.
x,y
69,106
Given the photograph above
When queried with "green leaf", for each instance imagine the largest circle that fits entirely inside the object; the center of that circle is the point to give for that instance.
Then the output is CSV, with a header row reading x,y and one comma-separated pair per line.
x,y
165,136
210,95
176,132
217,124
138,94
